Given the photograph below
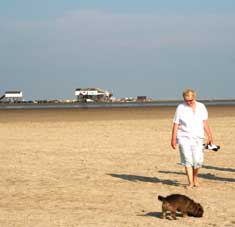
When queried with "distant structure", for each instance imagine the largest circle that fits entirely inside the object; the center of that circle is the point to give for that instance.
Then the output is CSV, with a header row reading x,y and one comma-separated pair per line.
x,y
92,95
141,98
12,96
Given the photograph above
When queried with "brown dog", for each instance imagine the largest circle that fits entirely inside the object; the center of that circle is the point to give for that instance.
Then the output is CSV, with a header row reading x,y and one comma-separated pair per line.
x,y
181,203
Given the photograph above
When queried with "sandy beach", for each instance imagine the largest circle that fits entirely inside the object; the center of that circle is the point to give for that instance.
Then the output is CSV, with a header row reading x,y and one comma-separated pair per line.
x,y
106,167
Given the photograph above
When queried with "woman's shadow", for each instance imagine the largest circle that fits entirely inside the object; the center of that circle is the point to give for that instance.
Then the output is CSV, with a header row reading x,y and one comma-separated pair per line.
x,y
135,178
207,176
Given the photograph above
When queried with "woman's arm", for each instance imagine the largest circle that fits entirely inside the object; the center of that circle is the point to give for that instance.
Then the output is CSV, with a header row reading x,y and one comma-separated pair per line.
x,y
208,132
173,135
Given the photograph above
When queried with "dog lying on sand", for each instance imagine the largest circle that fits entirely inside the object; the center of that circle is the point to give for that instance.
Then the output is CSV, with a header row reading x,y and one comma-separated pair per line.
x,y
180,203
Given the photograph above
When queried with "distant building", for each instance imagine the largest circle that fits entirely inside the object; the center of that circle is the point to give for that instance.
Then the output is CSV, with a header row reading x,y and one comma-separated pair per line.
x,y
141,98
12,96
92,95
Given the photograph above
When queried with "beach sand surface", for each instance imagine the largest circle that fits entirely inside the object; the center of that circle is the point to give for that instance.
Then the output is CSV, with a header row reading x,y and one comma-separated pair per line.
x,y
106,167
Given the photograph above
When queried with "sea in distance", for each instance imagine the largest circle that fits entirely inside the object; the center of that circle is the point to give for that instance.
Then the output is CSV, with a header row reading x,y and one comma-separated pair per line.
x,y
162,103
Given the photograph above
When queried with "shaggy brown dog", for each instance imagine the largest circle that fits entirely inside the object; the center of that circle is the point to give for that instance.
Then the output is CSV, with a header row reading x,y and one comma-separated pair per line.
x,y
181,203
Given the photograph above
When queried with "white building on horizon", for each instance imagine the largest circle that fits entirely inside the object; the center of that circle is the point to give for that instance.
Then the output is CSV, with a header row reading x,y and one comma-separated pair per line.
x,y
92,95
12,96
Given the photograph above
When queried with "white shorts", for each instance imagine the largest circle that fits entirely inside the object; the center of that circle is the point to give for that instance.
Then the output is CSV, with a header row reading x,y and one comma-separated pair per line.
x,y
191,152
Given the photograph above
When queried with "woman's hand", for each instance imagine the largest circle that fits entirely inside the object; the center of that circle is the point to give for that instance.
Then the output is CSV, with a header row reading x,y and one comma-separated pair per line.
x,y
208,133
173,136
173,143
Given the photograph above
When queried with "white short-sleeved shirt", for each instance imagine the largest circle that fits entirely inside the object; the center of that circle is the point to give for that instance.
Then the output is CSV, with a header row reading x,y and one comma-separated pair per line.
x,y
190,123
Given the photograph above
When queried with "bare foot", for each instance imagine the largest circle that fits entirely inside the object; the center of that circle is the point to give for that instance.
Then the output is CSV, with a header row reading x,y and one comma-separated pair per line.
x,y
196,184
189,186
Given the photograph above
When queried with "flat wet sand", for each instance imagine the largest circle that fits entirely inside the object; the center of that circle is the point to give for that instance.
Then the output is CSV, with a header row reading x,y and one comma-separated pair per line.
x,y
106,167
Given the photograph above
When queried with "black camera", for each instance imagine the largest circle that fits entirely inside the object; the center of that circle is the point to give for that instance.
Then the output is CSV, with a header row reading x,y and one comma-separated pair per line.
x,y
211,146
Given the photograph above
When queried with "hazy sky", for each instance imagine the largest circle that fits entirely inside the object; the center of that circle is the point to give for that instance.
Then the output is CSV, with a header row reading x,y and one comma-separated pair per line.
x,y
48,48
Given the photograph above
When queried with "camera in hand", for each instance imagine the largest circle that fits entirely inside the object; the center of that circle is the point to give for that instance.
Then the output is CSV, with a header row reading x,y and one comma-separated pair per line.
x,y
212,147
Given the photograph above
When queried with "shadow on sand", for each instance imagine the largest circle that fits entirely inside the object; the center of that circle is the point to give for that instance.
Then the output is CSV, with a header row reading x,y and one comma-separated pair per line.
x,y
153,214
219,168
135,178
159,215
207,176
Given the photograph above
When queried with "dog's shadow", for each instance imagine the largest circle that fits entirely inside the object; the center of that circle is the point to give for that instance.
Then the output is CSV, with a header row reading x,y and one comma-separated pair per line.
x,y
159,215
154,214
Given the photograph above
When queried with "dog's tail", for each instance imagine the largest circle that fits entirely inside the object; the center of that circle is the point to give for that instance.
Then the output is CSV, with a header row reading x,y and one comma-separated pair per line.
x,y
161,198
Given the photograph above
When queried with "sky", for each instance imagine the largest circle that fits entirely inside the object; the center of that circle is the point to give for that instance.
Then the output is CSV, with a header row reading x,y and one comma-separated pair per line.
x,y
153,48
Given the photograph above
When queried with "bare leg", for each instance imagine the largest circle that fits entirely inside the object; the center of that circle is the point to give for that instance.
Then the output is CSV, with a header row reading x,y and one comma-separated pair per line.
x,y
189,173
195,179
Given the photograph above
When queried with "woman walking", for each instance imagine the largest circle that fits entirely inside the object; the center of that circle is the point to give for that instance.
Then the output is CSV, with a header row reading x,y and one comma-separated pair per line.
x,y
189,125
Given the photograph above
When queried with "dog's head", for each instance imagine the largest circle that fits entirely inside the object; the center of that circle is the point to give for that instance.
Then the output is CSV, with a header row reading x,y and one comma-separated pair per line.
x,y
197,211
200,211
